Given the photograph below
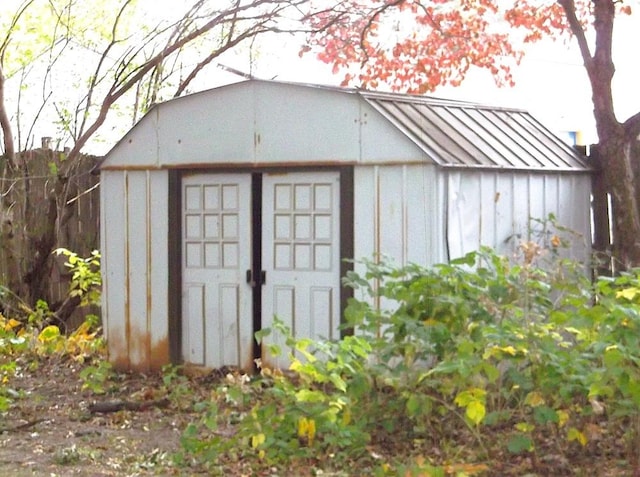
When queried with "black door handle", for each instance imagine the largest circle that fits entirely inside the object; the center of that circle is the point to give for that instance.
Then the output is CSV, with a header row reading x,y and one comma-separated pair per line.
x,y
254,283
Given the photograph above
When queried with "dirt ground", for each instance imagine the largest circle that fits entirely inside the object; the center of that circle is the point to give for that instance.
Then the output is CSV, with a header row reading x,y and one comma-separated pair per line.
x,y
49,429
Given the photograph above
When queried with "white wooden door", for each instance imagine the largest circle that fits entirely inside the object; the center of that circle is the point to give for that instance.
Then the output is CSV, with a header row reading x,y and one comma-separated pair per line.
x,y
301,255
217,326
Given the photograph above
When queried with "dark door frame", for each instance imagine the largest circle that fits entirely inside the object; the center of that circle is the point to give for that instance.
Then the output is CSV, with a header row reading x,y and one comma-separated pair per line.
x,y
174,216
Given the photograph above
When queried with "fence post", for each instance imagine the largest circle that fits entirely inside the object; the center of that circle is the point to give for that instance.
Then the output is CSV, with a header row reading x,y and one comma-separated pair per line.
x,y
602,239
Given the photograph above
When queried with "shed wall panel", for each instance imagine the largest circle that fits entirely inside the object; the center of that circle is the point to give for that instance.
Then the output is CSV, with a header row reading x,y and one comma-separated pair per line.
x,y
501,209
158,263
421,215
487,199
392,207
137,267
113,197
214,127
398,213
539,208
381,143
139,147
134,240
572,192
365,215
306,125
504,239
521,206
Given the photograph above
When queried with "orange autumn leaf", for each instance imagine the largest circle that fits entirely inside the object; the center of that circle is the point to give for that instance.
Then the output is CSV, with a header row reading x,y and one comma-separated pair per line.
x,y
415,47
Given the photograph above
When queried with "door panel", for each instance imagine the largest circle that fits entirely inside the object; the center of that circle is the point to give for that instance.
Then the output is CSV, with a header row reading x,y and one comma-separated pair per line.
x,y
217,328
301,255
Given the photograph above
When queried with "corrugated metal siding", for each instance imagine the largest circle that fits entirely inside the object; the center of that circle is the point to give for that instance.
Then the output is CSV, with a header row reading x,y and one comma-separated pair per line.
x,y
457,134
397,213
134,230
500,210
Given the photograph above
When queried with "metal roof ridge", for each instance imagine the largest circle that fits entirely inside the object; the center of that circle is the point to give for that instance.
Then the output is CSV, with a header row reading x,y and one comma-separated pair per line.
x,y
434,101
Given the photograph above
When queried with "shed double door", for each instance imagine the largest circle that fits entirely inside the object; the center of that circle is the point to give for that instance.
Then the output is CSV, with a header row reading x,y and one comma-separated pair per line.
x,y
256,246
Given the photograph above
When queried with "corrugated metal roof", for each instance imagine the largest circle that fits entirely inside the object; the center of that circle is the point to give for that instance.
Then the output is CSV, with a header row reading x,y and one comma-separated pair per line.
x,y
467,135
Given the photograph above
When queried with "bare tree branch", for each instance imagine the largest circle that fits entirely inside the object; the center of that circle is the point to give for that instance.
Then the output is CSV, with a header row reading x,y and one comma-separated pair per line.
x,y
111,44
569,8
5,124
126,79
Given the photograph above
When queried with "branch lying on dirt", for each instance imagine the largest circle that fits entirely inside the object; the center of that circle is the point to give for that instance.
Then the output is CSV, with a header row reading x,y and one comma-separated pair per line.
x,y
119,405
21,427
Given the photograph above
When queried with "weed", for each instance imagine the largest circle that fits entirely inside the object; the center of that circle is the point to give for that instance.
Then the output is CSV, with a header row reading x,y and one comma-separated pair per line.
x,y
95,377
526,356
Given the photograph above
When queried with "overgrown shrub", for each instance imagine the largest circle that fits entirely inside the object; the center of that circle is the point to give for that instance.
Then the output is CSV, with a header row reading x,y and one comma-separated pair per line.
x,y
35,333
525,357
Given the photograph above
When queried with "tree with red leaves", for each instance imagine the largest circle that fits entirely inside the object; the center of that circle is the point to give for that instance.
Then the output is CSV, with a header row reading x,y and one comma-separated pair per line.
x,y
417,45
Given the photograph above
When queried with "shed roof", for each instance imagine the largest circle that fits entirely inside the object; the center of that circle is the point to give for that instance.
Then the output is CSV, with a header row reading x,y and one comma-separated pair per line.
x,y
271,122
468,135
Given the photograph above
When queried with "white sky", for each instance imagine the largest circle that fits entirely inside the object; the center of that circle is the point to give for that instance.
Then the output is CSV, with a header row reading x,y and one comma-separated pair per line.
x,y
550,83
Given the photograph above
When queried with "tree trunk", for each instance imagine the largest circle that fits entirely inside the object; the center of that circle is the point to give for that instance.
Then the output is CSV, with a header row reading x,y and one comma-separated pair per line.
x,y
618,156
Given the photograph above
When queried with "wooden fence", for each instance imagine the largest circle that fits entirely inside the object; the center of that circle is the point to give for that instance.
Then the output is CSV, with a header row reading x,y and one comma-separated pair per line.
x,y
45,203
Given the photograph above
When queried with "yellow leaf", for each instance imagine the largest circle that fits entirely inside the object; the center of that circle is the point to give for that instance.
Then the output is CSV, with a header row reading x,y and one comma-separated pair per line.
x,y
82,330
499,351
472,394
257,439
50,333
11,324
346,417
475,412
563,417
307,429
534,399
524,427
575,435
303,425
628,293
311,432
509,350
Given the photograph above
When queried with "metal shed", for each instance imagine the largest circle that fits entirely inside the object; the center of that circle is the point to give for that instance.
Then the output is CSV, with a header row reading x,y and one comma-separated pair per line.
x,y
224,208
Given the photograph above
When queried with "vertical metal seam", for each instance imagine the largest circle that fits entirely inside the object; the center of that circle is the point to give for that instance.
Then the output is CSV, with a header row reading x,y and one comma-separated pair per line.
x,y
103,263
127,267
405,217
376,228
446,211
481,209
149,269
496,207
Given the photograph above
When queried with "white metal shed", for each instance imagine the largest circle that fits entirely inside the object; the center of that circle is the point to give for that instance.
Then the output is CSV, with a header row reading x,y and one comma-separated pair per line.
x,y
224,208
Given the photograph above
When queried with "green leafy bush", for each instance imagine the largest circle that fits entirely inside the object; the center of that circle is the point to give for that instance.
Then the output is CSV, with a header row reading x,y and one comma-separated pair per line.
x,y
525,356
34,333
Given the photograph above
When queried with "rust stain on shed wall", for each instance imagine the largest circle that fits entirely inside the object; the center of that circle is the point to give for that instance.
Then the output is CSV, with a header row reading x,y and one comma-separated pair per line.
x,y
118,351
152,356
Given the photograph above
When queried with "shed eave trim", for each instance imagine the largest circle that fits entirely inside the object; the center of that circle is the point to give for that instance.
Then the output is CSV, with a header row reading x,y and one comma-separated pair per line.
x,y
541,170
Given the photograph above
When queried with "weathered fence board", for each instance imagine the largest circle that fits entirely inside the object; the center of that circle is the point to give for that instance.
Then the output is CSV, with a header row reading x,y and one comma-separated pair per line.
x,y
45,203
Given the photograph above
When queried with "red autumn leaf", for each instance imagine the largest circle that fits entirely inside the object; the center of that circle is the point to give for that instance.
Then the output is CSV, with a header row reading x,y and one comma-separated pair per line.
x,y
417,46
